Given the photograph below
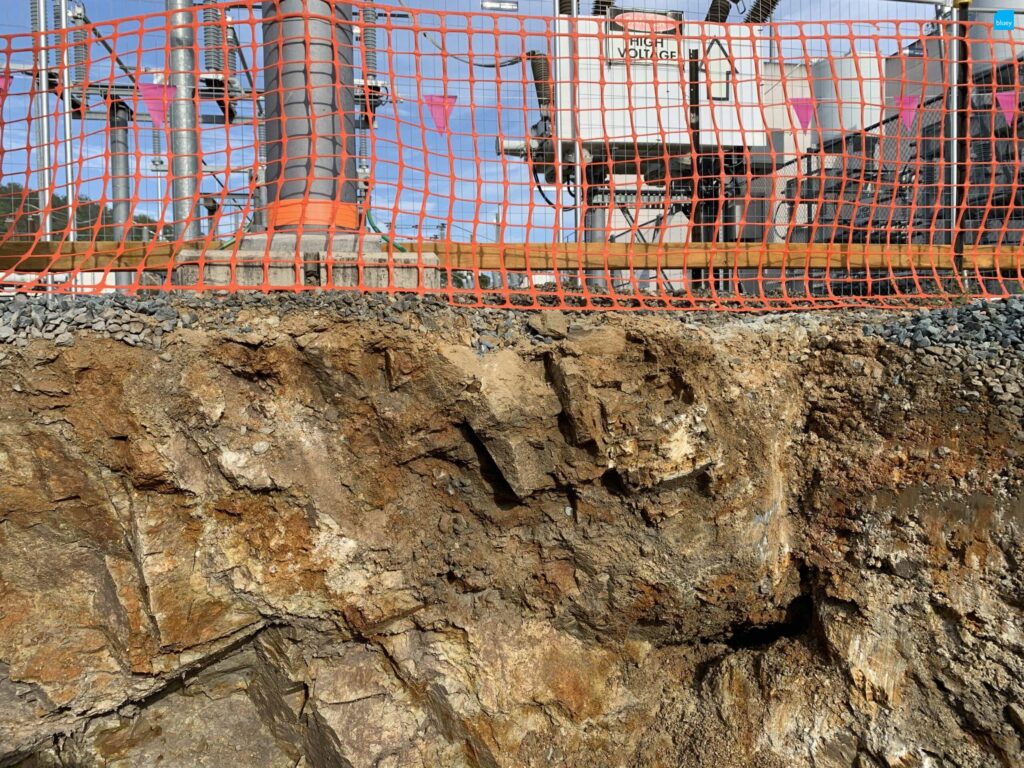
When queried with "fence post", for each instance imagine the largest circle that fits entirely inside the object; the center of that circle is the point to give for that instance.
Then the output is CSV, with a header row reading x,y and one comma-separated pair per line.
x,y
65,82
959,120
41,113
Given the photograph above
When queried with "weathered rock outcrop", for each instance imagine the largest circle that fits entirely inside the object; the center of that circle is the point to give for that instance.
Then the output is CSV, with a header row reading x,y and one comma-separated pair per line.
x,y
327,543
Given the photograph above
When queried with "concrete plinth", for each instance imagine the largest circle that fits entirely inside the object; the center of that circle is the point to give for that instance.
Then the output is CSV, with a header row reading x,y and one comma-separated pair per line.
x,y
403,271
335,261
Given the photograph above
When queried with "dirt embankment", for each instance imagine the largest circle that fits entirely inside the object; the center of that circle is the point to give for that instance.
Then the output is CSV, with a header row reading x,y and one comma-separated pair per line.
x,y
323,540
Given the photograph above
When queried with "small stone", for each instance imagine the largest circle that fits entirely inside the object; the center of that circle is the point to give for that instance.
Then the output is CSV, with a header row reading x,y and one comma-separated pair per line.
x,y
552,324
65,340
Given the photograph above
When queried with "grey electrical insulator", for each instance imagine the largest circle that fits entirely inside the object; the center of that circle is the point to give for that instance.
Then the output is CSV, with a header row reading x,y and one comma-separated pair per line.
x,y
33,15
540,67
213,38
761,12
80,41
719,11
233,45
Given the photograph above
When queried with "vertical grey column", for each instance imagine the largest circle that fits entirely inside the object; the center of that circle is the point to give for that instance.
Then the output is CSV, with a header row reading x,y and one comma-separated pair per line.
x,y
63,24
310,114
959,151
596,228
182,121
119,118
41,116
120,169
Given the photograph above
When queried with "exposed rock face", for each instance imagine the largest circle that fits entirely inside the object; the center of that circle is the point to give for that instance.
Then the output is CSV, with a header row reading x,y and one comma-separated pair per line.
x,y
324,543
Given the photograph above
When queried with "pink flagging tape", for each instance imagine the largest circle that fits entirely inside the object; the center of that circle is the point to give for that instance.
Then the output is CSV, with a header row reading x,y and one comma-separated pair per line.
x,y
804,111
907,107
1007,101
156,97
440,109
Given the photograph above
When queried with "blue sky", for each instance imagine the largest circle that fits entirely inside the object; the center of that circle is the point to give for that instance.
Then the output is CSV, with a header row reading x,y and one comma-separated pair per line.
x,y
421,174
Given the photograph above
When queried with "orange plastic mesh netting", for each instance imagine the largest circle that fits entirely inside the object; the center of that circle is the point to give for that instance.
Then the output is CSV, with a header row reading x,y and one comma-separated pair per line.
x,y
627,161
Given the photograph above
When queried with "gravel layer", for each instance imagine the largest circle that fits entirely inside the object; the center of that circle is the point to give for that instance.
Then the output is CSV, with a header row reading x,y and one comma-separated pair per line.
x,y
145,321
978,334
982,341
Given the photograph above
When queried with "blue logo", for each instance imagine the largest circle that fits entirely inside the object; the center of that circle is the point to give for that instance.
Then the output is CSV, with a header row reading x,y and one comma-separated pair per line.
x,y
1004,20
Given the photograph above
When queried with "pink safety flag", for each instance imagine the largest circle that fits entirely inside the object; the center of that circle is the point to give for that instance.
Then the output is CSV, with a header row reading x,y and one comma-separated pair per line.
x,y
804,111
5,84
440,109
1007,101
907,106
156,97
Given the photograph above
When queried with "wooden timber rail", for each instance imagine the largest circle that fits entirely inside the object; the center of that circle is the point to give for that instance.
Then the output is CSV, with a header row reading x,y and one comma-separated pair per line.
x,y
23,256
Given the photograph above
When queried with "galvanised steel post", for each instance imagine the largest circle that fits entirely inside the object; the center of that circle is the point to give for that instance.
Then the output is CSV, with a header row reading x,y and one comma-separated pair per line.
x,y
41,116
120,117
182,120
312,180
120,168
63,24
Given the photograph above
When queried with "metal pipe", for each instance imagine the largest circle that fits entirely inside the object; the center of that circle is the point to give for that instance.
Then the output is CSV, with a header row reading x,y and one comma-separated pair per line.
x,y
41,117
182,121
120,178
312,179
120,169
958,53
66,81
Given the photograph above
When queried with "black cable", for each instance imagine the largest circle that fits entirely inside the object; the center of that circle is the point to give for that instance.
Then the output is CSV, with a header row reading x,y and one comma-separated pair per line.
x,y
498,65
548,200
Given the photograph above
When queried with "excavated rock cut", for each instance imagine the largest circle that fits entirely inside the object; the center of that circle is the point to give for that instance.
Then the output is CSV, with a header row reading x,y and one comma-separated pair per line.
x,y
324,542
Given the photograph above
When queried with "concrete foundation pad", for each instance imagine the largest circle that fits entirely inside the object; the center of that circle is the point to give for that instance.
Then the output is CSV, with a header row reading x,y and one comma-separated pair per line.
x,y
409,271
292,267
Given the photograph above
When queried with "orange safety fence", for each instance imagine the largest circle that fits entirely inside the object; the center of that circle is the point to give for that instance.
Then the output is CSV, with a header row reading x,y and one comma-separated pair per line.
x,y
633,160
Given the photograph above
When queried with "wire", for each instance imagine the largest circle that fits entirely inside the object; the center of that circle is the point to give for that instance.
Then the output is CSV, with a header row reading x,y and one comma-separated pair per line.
x,y
384,236
469,231
438,42
540,188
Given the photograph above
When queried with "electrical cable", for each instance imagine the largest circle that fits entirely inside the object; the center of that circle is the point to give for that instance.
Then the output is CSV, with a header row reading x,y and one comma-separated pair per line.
x,y
438,42
540,188
385,237
468,231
